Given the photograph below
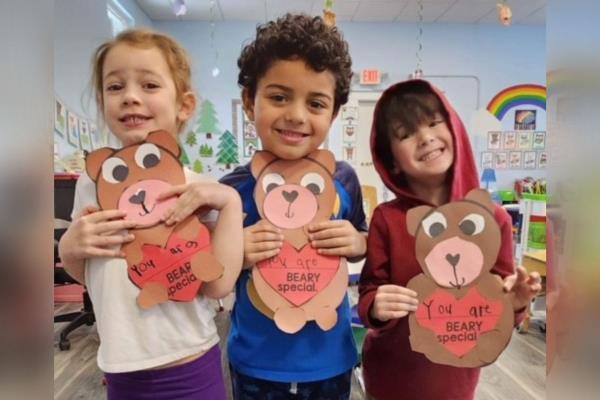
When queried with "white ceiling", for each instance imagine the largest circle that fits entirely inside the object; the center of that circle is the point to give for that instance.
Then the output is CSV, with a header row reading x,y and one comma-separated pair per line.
x,y
530,12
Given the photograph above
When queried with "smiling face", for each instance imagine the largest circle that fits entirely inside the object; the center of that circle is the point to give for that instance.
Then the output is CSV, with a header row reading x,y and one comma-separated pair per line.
x,y
139,94
425,155
292,109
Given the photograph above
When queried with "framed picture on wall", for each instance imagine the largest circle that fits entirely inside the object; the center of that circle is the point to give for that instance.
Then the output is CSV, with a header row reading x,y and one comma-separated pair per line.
x,y
510,140
529,160
539,140
72,129
60,118
501,160
487,159
524,141
525,120
349,113
250,147
96,136
515,160
542,159
85,140
349,133
494,140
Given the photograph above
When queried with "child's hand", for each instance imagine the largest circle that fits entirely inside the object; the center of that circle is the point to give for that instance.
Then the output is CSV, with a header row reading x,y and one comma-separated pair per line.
x,y
261,241
337,238
92,233
523,286
393,301
195,195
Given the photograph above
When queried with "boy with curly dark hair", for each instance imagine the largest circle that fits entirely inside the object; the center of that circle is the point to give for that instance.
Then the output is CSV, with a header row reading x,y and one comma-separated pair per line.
x,y
294,76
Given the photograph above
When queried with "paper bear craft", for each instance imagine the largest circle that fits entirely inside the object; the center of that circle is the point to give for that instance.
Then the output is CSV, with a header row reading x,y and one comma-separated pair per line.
x,y
464,317
297,285
165,262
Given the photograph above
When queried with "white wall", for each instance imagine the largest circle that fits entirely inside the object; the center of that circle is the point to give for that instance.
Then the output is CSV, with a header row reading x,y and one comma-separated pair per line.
x,y
81,26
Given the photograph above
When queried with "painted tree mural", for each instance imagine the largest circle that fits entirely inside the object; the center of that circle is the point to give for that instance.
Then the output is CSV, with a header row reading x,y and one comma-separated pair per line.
x,y
183,158
190,139
228,150
207,120
198,167
205,150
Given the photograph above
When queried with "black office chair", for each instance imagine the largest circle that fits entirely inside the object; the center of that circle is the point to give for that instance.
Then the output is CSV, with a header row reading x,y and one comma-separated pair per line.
x,y
64,191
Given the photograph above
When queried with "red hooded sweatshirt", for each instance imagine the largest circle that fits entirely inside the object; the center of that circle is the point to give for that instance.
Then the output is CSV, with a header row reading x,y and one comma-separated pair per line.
x,y
391,369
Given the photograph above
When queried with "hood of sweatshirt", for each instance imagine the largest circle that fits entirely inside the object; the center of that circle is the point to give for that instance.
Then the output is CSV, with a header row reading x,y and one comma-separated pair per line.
x,y
463,172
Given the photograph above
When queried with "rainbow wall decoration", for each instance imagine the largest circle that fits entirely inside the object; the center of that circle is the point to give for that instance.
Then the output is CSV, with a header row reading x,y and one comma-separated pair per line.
x,y
518,95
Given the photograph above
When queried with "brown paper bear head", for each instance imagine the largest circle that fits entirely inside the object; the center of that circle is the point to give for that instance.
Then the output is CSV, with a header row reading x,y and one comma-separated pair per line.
x,y
293,193
131,178
457,242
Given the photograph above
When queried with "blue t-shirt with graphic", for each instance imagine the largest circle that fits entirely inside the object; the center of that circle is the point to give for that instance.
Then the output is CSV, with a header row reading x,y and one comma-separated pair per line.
x,y
256,347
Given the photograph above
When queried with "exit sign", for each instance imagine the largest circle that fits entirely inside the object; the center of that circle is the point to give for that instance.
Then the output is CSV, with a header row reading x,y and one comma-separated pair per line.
x,y
370,77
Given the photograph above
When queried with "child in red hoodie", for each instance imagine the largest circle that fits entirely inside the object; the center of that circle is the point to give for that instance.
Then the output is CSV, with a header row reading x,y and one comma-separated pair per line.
x,y
422,153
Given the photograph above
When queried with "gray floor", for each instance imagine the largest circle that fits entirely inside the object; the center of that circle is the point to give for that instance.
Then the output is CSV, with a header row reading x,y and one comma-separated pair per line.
x,y
518,374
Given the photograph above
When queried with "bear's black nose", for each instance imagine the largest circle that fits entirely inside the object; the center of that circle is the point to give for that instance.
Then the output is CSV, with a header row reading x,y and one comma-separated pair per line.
x,y
290,196
138,198
453,259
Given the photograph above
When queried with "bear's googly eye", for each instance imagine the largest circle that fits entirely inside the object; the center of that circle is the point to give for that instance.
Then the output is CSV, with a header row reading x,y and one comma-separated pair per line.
x,y
271,181
313,182
114,170
472,224
147,155
435,224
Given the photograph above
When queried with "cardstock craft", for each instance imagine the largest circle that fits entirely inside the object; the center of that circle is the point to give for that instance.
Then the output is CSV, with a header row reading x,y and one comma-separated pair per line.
x,y
298,285
165,262
464,317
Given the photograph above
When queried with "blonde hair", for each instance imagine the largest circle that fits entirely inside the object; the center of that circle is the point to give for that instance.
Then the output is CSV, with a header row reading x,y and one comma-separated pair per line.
x,y
176,57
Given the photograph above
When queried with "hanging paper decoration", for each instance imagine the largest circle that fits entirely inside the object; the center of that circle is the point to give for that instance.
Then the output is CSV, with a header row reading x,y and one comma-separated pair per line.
x,y
504,13
328,14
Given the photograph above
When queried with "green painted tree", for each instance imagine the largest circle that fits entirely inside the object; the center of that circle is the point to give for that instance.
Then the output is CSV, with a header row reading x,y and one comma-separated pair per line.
x,y
207,120
228,150
190,138
198,167
183,158
205,150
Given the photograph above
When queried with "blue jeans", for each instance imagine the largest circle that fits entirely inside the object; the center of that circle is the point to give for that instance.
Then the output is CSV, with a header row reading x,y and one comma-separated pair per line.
x,y
245,387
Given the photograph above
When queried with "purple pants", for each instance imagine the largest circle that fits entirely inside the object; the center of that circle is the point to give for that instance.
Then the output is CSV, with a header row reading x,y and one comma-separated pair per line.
x,y
201,379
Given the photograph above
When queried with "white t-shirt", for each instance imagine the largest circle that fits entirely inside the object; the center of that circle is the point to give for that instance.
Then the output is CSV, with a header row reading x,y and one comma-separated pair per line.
x,y
131,338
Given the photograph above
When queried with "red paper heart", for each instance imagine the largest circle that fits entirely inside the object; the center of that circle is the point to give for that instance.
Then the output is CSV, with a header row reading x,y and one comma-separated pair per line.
x,y
170,265
298,275
458,323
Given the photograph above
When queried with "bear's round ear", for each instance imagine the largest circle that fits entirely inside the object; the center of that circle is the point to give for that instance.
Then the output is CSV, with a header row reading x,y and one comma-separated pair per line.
x,y
414,216
94,160
260,160
165,140
325,158
481,197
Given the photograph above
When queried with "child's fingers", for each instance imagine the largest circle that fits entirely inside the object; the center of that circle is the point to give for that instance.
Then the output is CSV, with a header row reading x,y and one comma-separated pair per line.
x,y
329,224
89,210
396,298
101,252
400,306
113,226
112,240
331,243
261,247
172,191
397,289
327,233
336,251
267,236
263,226
104,215
253,258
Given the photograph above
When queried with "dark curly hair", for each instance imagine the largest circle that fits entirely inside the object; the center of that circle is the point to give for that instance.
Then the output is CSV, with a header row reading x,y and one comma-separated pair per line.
x,y
297,36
